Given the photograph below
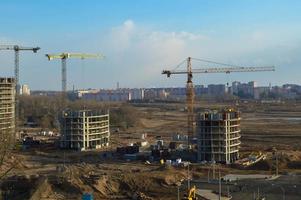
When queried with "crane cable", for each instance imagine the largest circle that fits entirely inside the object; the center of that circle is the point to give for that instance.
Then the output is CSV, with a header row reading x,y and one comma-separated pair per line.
x,y
179,65
214,62
206,61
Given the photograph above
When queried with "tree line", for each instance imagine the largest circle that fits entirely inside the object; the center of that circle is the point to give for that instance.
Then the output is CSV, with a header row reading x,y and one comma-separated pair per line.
x,y
44,111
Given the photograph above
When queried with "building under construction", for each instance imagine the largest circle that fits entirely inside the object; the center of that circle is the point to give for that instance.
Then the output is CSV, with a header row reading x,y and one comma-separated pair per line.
x,y
7,107
218,134
84,130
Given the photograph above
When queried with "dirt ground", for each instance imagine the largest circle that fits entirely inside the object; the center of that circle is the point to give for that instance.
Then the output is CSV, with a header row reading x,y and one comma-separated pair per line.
x,y
56,174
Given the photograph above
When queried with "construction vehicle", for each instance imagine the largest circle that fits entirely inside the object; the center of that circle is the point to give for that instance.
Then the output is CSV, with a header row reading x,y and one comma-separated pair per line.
x,y
64,57
191,194
189,84
17,49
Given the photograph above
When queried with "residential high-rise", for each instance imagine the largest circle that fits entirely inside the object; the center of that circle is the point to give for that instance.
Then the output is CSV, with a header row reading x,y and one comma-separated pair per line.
x,y
84,130
218,134
25,90
217,89
235,87
137,94
108,95
7,107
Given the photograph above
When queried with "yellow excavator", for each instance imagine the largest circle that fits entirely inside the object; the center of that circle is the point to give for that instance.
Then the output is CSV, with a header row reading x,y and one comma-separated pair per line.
x,y
191,194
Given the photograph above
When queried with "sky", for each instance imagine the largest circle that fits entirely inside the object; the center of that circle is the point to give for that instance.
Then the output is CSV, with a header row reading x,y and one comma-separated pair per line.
x,y
142,38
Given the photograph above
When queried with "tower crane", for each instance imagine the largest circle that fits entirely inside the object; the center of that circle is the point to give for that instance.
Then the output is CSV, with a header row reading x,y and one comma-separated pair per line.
x,y
64,57
17,49
189,84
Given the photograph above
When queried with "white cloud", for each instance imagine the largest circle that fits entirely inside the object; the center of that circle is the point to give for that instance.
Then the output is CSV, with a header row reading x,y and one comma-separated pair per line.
x,y
120,37
139,50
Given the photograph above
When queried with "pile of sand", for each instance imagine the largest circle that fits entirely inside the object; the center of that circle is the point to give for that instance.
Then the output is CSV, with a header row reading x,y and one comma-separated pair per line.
x,y
106,186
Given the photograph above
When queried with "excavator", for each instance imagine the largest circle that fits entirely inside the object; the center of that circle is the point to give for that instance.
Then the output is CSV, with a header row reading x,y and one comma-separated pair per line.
x,y
191,194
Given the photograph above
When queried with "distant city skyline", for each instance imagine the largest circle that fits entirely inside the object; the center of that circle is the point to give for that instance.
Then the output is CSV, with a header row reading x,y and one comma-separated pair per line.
x,y
141,38
229,85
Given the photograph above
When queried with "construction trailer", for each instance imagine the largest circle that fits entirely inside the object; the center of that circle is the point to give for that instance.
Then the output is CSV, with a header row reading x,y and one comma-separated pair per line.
x,y
218,135
84,129
7,107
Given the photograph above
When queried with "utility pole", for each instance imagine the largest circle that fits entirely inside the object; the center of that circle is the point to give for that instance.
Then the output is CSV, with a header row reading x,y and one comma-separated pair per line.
x,y
213,169
188,178
275,161
228,191
277,166
208,175
220,185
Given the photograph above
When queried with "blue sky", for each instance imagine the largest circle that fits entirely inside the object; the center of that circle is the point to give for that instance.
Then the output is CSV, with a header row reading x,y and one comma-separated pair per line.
x,y
141,38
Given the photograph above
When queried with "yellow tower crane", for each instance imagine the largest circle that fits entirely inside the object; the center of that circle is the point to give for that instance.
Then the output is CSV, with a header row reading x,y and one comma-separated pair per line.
x,y
189,84
64,57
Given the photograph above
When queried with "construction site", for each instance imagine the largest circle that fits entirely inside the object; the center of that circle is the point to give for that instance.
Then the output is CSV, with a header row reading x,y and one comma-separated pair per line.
x,y
46,172
174,150
164,133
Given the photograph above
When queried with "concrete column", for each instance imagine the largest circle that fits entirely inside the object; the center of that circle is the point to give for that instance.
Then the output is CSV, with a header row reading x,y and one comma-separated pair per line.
x,y
84,129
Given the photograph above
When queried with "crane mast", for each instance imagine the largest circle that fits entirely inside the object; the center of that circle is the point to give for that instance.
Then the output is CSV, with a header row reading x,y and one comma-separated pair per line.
x,y
190,101
190,95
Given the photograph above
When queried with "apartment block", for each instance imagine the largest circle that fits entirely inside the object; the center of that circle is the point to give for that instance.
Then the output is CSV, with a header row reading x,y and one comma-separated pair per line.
x,y
25,90
109,95
218,134
85,130
7,106
217,89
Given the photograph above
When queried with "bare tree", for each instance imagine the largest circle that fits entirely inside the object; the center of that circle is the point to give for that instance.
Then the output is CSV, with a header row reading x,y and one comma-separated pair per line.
x,y
6,145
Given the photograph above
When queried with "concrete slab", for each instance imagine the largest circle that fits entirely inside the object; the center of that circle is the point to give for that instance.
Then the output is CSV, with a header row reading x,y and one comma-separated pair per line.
x,y
208,194
235,177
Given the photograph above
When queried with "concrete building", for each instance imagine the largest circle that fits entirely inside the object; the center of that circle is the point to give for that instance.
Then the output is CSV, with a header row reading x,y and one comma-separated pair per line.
x,y
137,94
217,89
84,130
81,93
109,95
234,88
261,91
156,93
7,106
244,90
200,90
25,90
218,134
